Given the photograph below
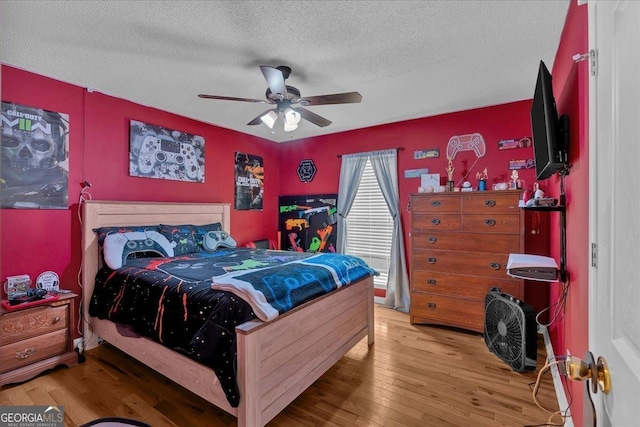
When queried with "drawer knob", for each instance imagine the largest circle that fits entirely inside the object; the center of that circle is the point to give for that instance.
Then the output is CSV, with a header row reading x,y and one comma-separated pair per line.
x,y
494,265
436,203
431,281
435,221
432,239
431,305
490,222
431,260
25,353
490,203
56,320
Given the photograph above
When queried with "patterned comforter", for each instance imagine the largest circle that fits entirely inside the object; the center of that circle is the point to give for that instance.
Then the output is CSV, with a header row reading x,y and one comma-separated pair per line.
x,y
192,303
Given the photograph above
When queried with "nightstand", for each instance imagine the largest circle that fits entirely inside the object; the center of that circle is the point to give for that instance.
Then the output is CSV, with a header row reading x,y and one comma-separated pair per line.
x,y
35,339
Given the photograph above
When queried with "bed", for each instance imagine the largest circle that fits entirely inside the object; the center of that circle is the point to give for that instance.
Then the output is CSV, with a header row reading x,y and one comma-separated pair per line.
x,y
276,360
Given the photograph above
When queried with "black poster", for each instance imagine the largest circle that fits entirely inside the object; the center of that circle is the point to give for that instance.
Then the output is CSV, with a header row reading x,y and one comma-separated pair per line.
x,y
35,158
249,183
307,223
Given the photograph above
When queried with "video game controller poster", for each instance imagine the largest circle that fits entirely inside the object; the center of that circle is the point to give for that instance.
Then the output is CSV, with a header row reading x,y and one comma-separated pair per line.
x,y
249,179
34,172
157,152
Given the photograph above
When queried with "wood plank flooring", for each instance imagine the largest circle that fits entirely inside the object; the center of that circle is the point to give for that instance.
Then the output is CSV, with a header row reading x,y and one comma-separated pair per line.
x,y
412,376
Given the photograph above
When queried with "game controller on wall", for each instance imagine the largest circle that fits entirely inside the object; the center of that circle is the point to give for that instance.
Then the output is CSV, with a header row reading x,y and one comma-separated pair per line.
x,y
469,142
164,149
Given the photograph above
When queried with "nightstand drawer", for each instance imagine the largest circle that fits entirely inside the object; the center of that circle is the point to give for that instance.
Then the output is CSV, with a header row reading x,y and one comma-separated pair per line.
x,y
28,351
25,324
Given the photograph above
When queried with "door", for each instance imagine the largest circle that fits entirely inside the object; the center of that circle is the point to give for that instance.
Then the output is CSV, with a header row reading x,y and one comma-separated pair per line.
x,y
614,296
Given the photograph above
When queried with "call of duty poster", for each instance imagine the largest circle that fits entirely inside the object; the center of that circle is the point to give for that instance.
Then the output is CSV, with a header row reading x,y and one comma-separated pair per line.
x,y
249,182
34,170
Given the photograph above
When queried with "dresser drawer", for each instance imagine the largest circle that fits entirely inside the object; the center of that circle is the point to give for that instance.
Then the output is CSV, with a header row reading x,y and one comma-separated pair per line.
x,y
492,265
492,223
435,203
470,287
438,309
468,242
435,221
28,351
494,202
24,324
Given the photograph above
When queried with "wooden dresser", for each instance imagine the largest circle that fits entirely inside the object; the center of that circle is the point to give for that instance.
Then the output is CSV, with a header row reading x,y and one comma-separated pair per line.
x,y
460,244
35,339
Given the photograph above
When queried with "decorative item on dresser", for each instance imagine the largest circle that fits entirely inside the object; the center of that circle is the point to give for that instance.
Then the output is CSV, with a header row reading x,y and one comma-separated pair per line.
x,y
460,244
35,339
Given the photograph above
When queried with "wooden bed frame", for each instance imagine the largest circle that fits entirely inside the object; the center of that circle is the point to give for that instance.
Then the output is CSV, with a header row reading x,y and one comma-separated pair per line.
x,y
277,360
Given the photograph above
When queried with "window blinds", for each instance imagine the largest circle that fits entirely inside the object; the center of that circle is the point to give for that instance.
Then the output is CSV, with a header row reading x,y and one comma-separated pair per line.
x,y
370,227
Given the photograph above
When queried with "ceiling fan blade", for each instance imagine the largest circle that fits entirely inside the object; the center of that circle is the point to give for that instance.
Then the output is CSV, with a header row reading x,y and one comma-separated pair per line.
x,y
335,98
258,120
233,98
275,80
312,117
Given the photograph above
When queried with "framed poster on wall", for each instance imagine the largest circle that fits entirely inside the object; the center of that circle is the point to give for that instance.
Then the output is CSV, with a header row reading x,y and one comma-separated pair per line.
x,y
157,152
34,173
249,182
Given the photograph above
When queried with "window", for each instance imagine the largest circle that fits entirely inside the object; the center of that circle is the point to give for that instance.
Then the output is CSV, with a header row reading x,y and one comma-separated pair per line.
x,y
370,227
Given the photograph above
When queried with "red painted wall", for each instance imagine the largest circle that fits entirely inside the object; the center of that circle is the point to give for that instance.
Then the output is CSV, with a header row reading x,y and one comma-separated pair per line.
x,y
494,123
571,90
33,241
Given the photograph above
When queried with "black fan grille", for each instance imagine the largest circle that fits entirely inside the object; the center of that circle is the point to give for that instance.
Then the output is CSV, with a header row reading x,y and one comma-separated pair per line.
x,y
504,332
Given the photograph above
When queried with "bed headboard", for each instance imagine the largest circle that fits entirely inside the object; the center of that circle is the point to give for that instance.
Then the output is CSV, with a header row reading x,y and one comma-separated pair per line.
x,y
98,213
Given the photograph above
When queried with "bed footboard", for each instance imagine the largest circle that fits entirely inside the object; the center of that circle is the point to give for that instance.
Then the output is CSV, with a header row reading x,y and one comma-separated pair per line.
x,y
278,360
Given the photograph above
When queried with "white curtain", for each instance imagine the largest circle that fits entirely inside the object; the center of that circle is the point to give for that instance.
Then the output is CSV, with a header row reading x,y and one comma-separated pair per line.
x,y
385,167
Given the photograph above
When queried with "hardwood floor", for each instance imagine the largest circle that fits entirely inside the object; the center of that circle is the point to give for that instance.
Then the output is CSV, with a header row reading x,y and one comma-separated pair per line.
x,y
411,376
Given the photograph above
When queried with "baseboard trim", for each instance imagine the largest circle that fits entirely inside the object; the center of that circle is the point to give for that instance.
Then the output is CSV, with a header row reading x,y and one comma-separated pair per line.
x,y
557,381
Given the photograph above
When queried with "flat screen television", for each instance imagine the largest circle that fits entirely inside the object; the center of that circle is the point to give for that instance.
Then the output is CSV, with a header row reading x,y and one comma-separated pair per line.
x,y
550,132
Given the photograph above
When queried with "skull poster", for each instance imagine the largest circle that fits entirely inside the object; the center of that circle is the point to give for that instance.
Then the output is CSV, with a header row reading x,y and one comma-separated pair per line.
x,y
249,189
34,170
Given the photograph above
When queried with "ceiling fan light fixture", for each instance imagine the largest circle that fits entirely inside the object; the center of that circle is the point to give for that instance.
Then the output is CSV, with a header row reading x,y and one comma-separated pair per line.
x,y
291,117
288,127
269,119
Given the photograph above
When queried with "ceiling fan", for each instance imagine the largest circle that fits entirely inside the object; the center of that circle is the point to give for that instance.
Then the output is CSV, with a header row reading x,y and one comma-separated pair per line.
x,y
288,101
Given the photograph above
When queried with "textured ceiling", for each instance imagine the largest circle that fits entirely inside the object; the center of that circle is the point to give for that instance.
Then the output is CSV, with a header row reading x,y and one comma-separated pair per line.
x,y
408,59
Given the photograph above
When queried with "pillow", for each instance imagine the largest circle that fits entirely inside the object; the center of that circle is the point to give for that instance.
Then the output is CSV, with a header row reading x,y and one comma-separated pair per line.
x,y
215,239
118,246
103,232
188,238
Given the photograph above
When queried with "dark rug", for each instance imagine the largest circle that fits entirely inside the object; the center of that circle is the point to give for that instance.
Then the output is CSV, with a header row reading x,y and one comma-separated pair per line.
x,y
115,422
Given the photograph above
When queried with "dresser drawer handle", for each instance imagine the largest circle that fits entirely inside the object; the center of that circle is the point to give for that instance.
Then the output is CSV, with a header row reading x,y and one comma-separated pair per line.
x,y
431,281
431,260
431,305
56,320
432,239
436,203
494,265
490,222
435,221
25,353
490,203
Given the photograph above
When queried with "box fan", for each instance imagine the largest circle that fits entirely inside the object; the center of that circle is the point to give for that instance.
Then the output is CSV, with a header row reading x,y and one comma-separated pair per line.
x,y
510,330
